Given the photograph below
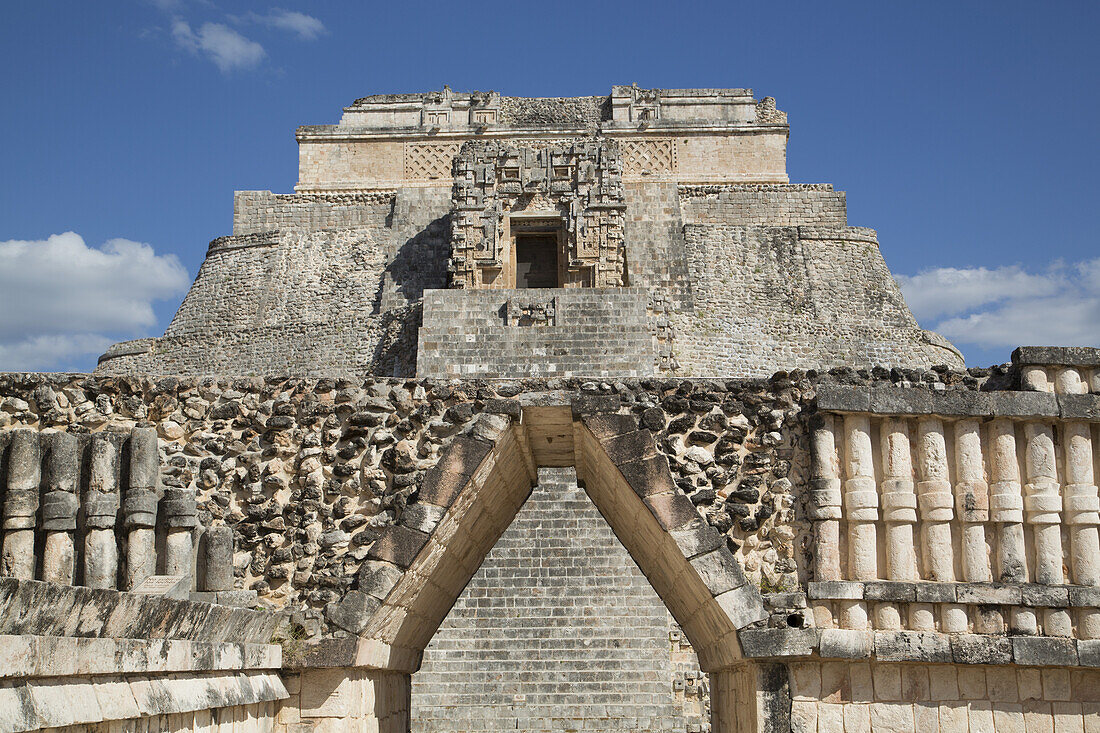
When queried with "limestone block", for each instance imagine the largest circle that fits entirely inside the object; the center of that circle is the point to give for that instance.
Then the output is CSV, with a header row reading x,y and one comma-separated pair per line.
x,y
912,646
219,558
398,545
846,643
980,649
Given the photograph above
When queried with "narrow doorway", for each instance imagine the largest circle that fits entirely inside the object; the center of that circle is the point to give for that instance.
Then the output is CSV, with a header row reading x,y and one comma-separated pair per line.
x,y
537,260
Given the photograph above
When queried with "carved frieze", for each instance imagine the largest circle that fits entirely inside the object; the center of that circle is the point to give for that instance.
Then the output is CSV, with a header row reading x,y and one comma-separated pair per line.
x,y
572,188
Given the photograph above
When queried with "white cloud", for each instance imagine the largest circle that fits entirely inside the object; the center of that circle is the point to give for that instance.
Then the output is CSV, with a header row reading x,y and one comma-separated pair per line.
x,y
305,26
49,353
949,290
63,298
227,48
1008,306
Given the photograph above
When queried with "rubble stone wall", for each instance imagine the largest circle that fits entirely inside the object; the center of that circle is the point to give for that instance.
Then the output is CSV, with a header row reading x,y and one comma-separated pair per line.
x,y
820,297
777,205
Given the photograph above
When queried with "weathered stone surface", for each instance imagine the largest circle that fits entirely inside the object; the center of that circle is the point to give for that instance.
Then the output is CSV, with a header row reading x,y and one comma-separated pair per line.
x,y
672,510
846,643
912,646
980,649
778,642
1044,651
398,545
648,476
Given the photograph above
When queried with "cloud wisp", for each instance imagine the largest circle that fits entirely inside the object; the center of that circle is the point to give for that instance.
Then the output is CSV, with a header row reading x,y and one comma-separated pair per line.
x,y
1009,306
228,49
64,300
306,27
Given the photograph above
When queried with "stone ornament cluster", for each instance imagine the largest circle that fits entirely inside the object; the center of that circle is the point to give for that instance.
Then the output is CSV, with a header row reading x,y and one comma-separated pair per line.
x,y
56,496
577,187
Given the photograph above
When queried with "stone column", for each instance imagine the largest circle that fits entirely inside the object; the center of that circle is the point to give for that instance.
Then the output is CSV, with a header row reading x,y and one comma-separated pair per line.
x,y
219,558
140,506
1083,518
936,503
972,501
899,511
824,510
100,513
1033,378
972,507
825,499
178,510
1043,506
59,505
1006,508
1068,381
861,511
21,505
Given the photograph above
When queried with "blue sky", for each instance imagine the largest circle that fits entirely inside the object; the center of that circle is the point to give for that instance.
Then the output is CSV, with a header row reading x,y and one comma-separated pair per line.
x,y
964,132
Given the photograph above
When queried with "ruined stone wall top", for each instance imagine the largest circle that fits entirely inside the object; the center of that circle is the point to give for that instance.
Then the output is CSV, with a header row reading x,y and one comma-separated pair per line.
x,y
693,135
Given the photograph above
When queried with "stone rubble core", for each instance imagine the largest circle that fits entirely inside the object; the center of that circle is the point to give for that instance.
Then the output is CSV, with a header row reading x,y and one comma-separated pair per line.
x,y
815,536
649,232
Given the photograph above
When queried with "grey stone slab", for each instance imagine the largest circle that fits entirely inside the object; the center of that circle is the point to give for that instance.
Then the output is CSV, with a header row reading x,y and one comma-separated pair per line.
x,y
648,475
697,540
835,590
422,516
627,447
1056,355
778,642
930,592
377,578
719,571
782,601
592,404
1025,404
988,594
846,643
912,646
1083,595
609,425
886,590
900,400
742,605
841,398
981,649
1044,651
352,612
1051,596
1080,407
1088,652
672,510
966,402
398,545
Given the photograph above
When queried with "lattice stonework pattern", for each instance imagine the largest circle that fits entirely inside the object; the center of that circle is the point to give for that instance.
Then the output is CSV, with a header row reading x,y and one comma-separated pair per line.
x,y
429,161
648,157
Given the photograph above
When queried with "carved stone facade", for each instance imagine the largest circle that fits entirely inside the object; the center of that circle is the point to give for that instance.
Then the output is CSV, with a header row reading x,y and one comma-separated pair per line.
x,y
573,191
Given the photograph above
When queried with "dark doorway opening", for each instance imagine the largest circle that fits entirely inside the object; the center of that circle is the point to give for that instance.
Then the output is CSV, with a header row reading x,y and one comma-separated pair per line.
x,y
537,261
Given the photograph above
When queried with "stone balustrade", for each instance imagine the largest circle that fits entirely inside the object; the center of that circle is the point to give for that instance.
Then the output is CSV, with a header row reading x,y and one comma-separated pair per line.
x,y
957,512
89,510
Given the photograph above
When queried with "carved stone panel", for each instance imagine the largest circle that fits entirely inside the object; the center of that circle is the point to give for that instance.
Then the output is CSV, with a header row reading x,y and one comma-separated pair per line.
x,y
649,157
573,188
429,161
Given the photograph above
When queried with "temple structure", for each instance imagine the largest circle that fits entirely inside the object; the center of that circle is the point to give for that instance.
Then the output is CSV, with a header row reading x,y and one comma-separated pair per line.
x,y
550,415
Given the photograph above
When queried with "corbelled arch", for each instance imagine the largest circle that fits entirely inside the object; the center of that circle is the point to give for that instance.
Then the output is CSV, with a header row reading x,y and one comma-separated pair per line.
x,y
415,572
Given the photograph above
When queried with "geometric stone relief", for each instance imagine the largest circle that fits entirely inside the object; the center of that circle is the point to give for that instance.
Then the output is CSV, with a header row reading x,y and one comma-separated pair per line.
x,y
429,161
648,157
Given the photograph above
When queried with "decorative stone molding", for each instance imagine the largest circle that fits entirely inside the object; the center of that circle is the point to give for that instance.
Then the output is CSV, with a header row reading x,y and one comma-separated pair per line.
x,y
576,188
